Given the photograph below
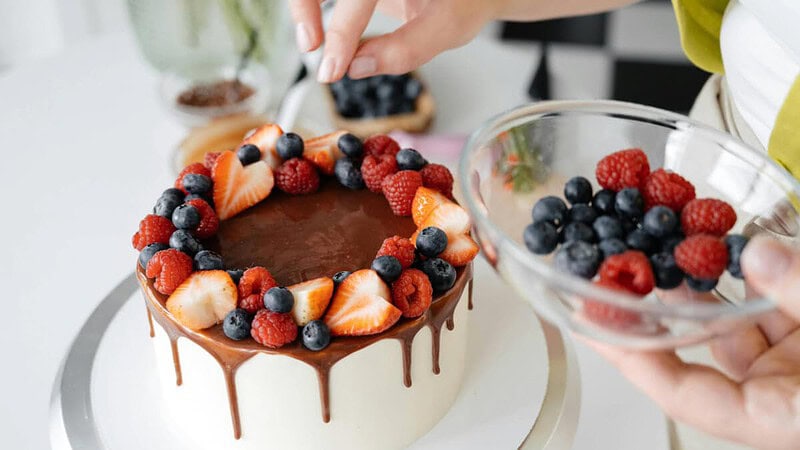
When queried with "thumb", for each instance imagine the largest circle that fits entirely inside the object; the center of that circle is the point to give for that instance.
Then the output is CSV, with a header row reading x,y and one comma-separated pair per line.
x,y
773,269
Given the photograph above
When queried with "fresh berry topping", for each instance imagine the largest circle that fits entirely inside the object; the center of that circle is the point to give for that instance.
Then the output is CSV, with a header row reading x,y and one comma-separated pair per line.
x,y
252,303
311,298
208,260
623,169
297,176
290,145
431,241
701,285
608,227
237,187
629,203
323,151
412,293
209,222
197,168
425,201
660,221
362,306
265,138
236,324
348,174
236,275
399,247
612,246
273,330
279,299
210,158
410,159
169,268
550,209
604,201
541,238
610,315
667,188
340,276
702,256
256,280
248,154
399,189
631,270
461,249
578,231
707,215
438,177
148,252
203,300
195,183
667,273
735,244
186,217
375,168
388,267
578,258
169,200
441,274
184,241
153,229
316,335
381,145
351,146
582,213
669,243
454,221
643,241
578,190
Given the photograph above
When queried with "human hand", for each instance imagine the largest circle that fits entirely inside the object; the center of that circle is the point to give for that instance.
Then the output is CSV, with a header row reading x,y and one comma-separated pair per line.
x,y
757,400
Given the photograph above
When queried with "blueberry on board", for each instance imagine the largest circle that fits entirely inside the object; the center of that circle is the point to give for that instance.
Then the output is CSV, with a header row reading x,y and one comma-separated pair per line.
x,y
350,145
700,285
412,89
279,300
208,260
431,241
578,190
236,275
166,204
541,238
669,243
629,203
410,159
660,221
148,252
667,273
237,324
388,267
578,258
348,174
550,209
612,246
196,183
338,277
641,240
387,91
604,200
578,231
440,273
582,212
289,145
735,244
316,335
185,242
186,217
608,227
248,154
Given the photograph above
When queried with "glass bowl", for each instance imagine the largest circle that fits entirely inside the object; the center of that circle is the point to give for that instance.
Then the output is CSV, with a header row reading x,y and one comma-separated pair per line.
x,y
527,153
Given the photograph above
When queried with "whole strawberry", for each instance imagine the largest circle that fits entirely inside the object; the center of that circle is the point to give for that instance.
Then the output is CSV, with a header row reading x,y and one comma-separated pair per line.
x,y
667,188
375,168
153,229
623,169
297,176
707,215
702,256
272,329
438,177
169,268
399,190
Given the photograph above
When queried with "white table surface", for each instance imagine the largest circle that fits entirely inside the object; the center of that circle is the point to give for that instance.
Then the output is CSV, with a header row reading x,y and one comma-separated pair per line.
x,y
86,146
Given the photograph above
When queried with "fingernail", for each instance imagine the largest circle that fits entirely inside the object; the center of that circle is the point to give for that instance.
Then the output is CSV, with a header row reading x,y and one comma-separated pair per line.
x,y
766,259
363,66
325,74
302,37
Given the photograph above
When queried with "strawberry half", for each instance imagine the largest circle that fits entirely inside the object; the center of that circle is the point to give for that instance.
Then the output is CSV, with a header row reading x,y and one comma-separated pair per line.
x,y
237,187
265,138
323,151
425,201
203,299
362,306
454,221
311,298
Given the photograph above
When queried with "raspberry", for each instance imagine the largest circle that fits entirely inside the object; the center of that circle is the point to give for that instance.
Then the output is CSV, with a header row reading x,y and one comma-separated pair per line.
x,y
667,188
412,293
297,176
252,303
375,168
170,268
209,222
381,145
152,229
707,215
399,247
438,177
399,190
198,168
623,169
610,315
702,256
256,280
210,159
272,329
630,270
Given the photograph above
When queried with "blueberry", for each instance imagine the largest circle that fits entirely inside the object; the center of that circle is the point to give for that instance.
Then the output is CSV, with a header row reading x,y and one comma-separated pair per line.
x,y
166,204
412,89
208,260
667,273
578,231
410,159
660,221
578,258
338,277
700,285
582,213
388,267
387,91
289,145
441,274
148,252
642,241
173,193
578,190
348,174
279,300
603,201
669,243
431,241
248,154
185,242
350,145
629,203
612,246
608,227
186,217
237,324
236,275
196,183
316,335
735,244
541,238
550,209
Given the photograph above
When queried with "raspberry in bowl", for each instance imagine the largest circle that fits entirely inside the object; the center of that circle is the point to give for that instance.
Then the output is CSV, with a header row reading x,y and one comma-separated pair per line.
x,y
622,222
